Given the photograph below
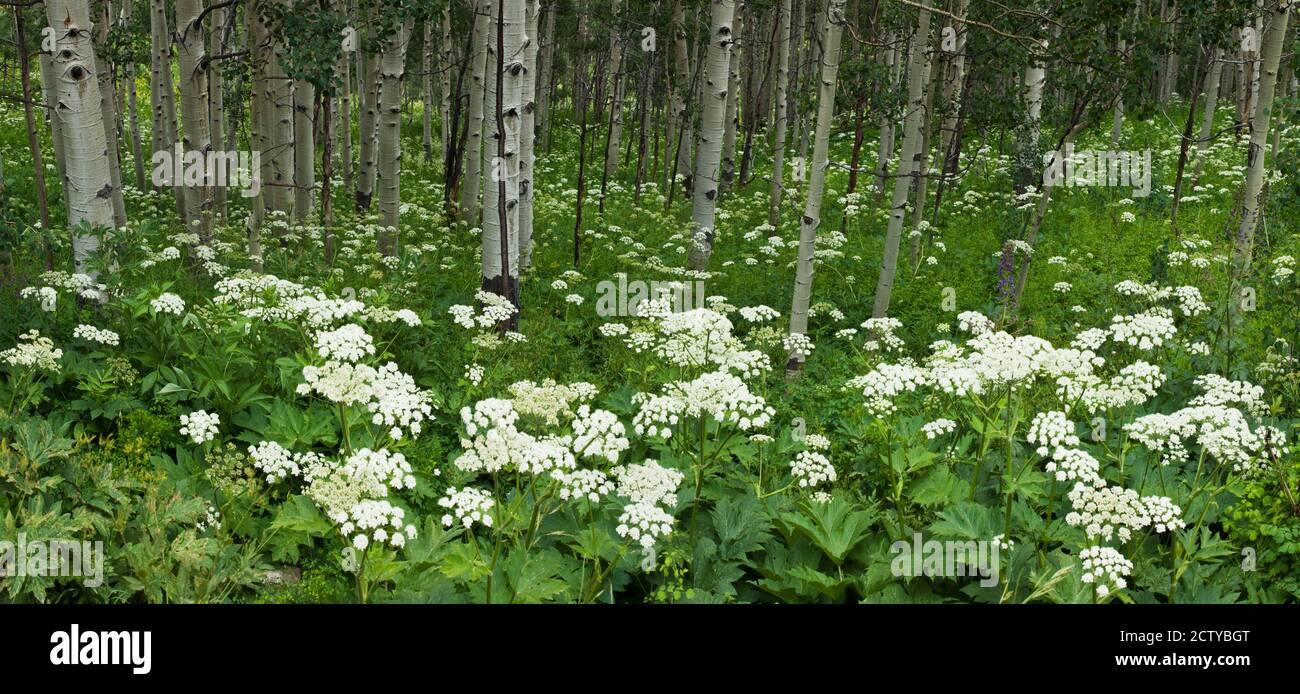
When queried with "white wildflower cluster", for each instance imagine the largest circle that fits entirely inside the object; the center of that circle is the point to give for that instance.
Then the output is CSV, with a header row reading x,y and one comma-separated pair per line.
x,y
939,427
648,483
647,486
1146,330
496,309
1133,385
1165,515
1050,430
883,384
349,343
810,469
200,426
92,334
717,394
46,297
279,464
474,373
1222,432
598,434
377,520
881,334
1105,512
1221,391
504,447
1075,464
548,400
797,344
467,506
391,396
759,314
168,303
352,493
592,485
1283,268
974,322
1105,567
816,442
35,351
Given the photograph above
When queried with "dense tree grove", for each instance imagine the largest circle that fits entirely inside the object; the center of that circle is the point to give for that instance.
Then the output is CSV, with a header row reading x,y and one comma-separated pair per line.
x,y
504,301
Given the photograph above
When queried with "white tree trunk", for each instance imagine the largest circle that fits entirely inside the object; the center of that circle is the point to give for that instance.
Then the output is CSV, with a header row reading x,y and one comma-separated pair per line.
x,y
1253,198
504,89
682,135
196,142
108,107
731,119
907,161
162,93
830,63
368,126
780,122
612,143
708,160
1207,118
527,135
87,184
544,77
392,71
304,149
952,86
473,155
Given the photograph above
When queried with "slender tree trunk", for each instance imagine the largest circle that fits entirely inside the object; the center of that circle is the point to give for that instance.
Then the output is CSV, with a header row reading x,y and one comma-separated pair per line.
x,y
304,149
811,219
162,92
1252,201
730,118
545,78
368,124
33,136
281,116
392,71
258,131
444,64
923,165
681,91
469,192
615,133
706,174
426,91
527,135
886,152
1207,116
196,143
780,123
500,206
108,105
219,39
953,88
908,162
49,94
87,185
133,114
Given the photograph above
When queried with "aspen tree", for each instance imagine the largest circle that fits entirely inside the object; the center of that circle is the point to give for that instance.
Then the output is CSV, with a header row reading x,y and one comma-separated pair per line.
x,y
87,183
907,161
780,122
832,29
707,170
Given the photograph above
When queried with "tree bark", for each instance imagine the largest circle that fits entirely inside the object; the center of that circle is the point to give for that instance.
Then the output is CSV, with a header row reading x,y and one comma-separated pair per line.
x,y
706,174
908,162
811,219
